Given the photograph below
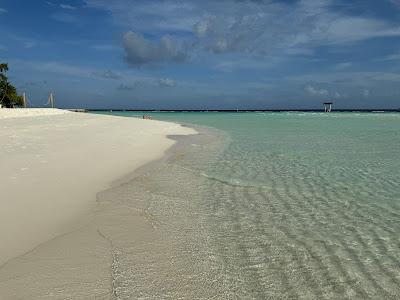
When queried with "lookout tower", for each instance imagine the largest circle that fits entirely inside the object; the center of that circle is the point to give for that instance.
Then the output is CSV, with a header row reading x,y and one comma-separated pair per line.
x,y
328,106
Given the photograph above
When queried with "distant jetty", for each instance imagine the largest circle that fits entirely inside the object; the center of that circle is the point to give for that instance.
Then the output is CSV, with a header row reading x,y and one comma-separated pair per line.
x,y
83,110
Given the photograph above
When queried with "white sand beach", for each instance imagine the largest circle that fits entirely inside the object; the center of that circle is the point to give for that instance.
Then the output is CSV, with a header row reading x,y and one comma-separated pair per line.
x,y
8,113
53,163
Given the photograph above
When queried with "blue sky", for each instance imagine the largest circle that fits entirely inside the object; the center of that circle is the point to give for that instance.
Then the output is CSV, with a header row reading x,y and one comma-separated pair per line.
x,y
205,54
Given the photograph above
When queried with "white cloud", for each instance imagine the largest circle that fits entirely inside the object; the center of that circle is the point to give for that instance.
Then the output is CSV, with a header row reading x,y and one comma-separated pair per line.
x,y
62,5
30,44
66,69
67,6
324,93
259,27
234,64
105,47
166,82
24,41
81,72
353,29
57,68
365,93
342,66
346,78
391,57
125,87
337,95
315,91
2,10
108,74
151,16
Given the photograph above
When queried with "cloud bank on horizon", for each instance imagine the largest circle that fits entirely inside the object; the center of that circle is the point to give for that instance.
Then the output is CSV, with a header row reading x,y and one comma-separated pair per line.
x,y
205,54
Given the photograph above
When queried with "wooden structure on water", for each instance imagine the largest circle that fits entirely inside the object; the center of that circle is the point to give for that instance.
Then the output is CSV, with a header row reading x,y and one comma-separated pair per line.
x,y
328,106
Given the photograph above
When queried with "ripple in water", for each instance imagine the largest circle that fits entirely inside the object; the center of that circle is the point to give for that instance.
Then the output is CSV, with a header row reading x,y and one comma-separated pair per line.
x,y
287,206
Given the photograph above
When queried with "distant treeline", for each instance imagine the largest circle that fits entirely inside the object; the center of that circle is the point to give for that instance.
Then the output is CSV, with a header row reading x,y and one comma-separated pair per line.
x,y
8,93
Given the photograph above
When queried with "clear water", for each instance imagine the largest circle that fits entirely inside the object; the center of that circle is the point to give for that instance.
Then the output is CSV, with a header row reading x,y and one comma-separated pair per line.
x,y
278,205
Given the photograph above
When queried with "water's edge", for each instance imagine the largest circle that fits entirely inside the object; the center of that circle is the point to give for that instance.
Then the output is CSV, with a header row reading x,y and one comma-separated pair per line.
x,y
171,237
90,261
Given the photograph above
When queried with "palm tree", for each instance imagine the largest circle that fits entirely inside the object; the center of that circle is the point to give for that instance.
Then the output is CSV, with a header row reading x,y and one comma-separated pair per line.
x,y
8,93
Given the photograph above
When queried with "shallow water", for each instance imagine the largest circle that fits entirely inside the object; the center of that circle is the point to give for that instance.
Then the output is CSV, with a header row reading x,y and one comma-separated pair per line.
x,y
271,205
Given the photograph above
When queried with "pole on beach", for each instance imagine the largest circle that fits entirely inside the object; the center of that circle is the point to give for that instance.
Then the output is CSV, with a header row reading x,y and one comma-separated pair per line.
x,y
51,100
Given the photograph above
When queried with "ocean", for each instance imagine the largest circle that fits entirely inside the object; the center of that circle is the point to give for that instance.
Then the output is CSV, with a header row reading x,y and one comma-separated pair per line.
x,y
288,205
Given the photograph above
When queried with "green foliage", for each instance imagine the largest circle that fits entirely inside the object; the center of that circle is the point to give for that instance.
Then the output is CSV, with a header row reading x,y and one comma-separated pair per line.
x,y
8,93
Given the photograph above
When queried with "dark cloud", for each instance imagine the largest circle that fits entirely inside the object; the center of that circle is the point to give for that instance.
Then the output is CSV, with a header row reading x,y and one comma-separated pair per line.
x,y
125,87
130,86
140,51
162,82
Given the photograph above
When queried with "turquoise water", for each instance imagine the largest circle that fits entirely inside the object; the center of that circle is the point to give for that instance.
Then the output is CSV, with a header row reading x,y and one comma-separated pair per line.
x,y
286,206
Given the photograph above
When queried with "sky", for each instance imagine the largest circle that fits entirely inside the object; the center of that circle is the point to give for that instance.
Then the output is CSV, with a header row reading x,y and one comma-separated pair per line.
x,y
208,54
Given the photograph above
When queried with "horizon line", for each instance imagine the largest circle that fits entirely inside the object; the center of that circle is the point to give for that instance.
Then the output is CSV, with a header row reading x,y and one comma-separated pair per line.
x,y
238,110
